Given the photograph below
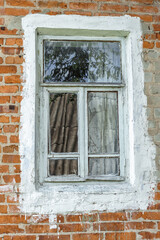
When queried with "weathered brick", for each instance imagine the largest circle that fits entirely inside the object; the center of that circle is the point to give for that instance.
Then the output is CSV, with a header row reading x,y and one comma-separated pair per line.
x,y
91,236
10,229
114,8
10,149
21,3
11,158
144,9
3,139
120,216
16,11
10,128
8,69
78,6
52,4
12,79
4,119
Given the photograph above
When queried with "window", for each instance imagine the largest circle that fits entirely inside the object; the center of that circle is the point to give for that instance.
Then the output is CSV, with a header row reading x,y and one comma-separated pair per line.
x,y
128,180
81,108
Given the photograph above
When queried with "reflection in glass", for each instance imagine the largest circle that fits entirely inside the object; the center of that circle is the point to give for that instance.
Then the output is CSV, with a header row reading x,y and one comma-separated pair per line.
x,y
82,61
60,167
103,166
63,122
103,122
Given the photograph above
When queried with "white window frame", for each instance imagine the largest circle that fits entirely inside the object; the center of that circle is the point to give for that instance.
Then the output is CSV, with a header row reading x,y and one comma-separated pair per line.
x,y
81,90
136,190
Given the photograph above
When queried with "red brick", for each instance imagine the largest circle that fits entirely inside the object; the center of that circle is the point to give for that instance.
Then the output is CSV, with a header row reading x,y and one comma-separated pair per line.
x,y
34,11
10,128
9,109
74,227
3,139
91,236
120,216
16,99
1,41
16,11
156,27
14,198
1,60
59,237
14,41
149,235
11,158
8,50
39,229
27,237
126,236
15,219
13,79
6,31
14,60
15,119
4,119
114,226
1,21
9,89
150,36
158,44
146,215
4,168
14,139
114,8
8,69
140,225
20,3
14,209
142,1
78,13
10,149
52,4
147,44
10,229
11,178
3,209
4,99
144,9
1,2
82,6
82,218
2,198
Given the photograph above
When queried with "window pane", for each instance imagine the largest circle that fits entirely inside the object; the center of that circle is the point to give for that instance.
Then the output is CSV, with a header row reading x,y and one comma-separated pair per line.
x,y
103,122
103,166
63,122
82,61
60,167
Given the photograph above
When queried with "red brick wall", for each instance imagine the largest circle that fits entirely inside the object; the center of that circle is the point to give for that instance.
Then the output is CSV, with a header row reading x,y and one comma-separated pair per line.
x,y
16,225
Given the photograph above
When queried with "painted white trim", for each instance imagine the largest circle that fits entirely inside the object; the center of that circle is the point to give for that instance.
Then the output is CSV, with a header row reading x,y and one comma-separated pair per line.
x,y
137,190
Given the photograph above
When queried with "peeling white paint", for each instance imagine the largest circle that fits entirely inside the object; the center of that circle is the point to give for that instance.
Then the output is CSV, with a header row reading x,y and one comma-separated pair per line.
x,y
134,193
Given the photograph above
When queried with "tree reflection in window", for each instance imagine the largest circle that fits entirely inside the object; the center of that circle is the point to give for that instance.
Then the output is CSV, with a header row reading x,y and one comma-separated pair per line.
x,y
79,61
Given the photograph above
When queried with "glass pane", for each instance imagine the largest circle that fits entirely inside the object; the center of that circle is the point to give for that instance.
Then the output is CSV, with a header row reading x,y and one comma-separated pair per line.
x,y
103,122
82,61
63,122
61,167
103,166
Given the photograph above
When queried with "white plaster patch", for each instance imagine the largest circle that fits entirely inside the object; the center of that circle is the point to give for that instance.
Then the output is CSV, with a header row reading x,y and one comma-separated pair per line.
x,y
134,193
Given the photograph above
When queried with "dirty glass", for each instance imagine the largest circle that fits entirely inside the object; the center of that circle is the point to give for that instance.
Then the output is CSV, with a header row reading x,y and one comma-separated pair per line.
x,y
82,61
103,122
62,167
103,166
63,134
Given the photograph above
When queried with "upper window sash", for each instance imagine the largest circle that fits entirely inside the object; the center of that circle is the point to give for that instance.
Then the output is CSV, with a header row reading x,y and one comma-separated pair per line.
x,y
82,40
